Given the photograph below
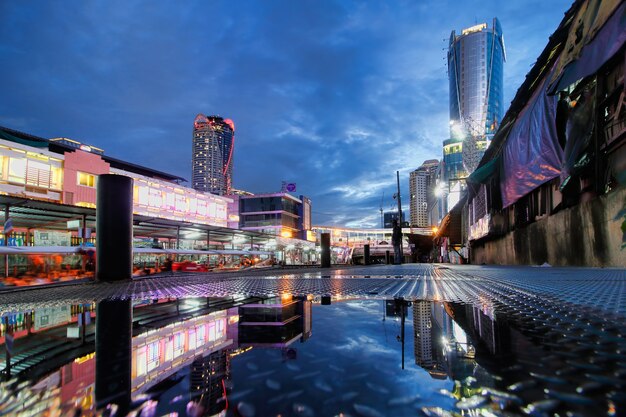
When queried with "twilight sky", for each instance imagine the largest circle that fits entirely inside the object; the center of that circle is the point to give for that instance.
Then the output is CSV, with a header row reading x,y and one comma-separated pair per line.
x,y
335,95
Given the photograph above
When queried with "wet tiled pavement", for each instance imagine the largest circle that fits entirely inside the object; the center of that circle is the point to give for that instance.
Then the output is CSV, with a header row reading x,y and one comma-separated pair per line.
x,y
566,326
599,290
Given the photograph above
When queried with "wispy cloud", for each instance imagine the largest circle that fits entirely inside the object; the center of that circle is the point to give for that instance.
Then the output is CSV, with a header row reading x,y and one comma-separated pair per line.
x,y
334,95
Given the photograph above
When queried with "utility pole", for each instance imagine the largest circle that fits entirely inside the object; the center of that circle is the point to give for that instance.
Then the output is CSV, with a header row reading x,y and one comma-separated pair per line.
x,y
399,201
400,214
382,221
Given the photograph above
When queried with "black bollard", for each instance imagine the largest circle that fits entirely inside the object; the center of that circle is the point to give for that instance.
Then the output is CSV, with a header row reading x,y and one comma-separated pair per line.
x,y
114,228
325,242
114,354
387,257
366,254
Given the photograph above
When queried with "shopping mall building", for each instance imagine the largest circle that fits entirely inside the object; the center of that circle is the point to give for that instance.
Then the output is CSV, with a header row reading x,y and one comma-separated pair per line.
x,y
48,196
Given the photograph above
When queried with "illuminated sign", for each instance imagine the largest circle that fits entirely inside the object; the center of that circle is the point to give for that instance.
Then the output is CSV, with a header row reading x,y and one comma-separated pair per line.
x,y
176,203
476,28
73,224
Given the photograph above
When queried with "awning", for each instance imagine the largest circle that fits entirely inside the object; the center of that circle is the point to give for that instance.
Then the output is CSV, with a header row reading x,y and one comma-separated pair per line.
x,y
24,141
482,174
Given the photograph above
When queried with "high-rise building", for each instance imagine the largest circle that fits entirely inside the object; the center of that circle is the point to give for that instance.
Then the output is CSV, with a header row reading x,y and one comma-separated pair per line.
x,y
421,192
390,216
212,154
475,71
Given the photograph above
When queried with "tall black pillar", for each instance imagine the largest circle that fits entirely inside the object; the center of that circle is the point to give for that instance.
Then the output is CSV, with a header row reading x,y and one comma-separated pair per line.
x,y
114,228
366,254
114,353
325,242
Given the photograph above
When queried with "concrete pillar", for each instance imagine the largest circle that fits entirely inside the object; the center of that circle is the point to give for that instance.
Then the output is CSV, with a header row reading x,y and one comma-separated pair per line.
x,y
114,353
366,254
114,228
325,242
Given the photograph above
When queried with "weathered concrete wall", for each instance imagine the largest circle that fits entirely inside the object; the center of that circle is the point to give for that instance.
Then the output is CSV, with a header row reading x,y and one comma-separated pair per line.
x,y
589,234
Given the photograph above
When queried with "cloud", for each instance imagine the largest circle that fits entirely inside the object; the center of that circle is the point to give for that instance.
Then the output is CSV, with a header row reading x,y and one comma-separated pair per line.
x,y
334,95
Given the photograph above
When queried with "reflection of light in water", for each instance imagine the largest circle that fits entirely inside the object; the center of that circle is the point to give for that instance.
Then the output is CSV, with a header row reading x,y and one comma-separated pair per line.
x,y
486,306
459,334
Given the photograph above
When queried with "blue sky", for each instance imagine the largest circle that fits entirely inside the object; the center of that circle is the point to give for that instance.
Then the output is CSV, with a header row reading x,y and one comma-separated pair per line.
x,y
333,95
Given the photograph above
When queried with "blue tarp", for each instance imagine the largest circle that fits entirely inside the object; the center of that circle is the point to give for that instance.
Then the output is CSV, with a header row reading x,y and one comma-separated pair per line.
x,y
606,43
532,154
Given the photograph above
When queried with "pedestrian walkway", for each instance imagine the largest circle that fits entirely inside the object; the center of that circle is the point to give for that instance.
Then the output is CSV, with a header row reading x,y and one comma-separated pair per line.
x,y
572,319
601,289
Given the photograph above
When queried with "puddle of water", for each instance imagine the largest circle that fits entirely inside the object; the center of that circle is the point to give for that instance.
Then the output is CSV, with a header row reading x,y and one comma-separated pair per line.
x,y
294,356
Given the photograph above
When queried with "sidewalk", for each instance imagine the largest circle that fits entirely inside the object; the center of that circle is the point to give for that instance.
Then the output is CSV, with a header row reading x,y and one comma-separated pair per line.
x,y
595,288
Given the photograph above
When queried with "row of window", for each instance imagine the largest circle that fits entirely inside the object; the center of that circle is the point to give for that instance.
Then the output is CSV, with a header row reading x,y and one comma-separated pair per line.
x,y
156,353
169,200
38,173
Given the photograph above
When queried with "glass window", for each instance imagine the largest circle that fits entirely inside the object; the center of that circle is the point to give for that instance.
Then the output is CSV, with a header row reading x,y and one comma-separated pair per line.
x,y
153,355
212,332
192,339
221,328
181,203
17,170
86,180
200,335
56,182
38,174
4,167
179,344
143,195
169,349
141,361
155,198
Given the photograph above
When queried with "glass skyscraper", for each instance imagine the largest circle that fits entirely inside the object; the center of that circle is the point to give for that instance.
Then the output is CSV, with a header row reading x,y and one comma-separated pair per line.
x,y
475,71
212,154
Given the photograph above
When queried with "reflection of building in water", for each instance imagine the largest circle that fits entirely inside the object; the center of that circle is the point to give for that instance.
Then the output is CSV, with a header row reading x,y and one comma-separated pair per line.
x,y
167,337
441,345
481,323
393,308
492,343
161,352
429,346
208,380
275,322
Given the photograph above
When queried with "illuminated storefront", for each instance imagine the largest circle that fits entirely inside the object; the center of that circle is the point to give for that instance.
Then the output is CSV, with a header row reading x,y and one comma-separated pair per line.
x,y
69,174
155,198
157,354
